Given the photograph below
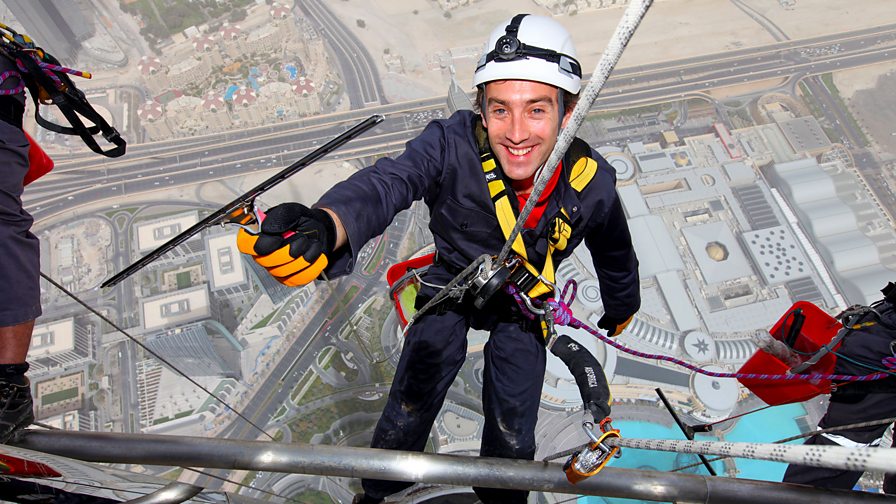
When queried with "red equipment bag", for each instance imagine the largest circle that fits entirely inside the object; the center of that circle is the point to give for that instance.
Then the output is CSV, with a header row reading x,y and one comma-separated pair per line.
x,y
816,330
39,162
16,466
404,284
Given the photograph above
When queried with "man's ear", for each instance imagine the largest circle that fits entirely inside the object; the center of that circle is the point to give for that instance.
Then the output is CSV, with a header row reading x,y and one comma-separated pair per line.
x,y
566,117
482,118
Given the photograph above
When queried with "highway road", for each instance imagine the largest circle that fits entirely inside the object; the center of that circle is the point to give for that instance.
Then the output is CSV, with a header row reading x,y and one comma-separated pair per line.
x,y
359,72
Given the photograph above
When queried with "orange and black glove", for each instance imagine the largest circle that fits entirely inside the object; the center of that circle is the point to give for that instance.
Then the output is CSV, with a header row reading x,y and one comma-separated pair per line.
x,y
613,325
292,244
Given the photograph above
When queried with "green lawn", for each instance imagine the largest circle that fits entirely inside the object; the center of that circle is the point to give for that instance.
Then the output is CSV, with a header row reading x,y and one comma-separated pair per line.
x,y
183,280
263,322
61,395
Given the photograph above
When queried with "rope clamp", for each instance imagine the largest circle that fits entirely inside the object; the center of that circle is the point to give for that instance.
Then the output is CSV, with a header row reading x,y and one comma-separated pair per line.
x,y
595,456
490,279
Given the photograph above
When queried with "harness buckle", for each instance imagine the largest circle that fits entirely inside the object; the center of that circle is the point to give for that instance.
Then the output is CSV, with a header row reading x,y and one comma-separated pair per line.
x,y
112,136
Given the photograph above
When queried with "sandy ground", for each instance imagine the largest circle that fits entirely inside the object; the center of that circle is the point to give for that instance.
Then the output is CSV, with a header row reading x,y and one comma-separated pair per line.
x,y
307,186
870,99
673,29
817,17
861,79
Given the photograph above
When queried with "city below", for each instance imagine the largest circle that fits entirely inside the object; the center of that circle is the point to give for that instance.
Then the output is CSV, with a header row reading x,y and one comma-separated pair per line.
x,y
752,174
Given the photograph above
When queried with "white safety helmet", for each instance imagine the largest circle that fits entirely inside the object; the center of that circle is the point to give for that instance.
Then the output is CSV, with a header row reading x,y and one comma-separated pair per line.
x,y
528,47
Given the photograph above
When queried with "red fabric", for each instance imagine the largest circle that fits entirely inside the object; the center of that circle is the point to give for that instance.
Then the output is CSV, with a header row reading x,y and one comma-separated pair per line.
x,y
39,163
538,209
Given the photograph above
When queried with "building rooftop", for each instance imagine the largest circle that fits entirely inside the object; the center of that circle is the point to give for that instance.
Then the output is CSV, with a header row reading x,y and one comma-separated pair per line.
x,y
52,338
225,265
655,246
152,234
304,86
717,252
150,111
149,65
777,255
654,161
805,135
818,196
169,310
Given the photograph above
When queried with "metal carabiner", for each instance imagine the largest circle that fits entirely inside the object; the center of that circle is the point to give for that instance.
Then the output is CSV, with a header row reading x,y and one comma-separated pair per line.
x,y
593,457
529,306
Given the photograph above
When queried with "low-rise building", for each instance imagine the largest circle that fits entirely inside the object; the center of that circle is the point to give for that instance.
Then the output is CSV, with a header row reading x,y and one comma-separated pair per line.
x,y
215,113
245,108
153,73
306,96
152,118
188,72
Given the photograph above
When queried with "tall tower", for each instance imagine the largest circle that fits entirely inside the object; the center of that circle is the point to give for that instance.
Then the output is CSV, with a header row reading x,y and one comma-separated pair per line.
x,y
58,27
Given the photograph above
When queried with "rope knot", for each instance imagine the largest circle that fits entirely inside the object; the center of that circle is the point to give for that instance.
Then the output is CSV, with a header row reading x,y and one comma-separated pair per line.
x,y
561,312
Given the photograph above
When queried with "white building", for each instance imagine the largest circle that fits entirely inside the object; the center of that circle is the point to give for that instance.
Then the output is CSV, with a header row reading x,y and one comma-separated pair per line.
x,y
60,344
177,308
846,228
153,233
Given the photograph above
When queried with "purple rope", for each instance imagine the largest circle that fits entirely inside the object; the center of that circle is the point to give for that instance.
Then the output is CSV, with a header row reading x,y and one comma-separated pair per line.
x,y
563,316
889,362
48,69
18,89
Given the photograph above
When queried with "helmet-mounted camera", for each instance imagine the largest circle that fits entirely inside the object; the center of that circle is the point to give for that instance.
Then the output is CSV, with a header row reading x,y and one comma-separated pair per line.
x,y
549,56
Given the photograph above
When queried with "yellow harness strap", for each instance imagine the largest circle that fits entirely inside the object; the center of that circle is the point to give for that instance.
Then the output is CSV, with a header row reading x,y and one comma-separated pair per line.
x,y
582,172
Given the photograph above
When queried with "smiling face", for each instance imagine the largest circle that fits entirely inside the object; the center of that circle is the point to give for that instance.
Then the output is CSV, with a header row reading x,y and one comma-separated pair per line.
x,y
522,119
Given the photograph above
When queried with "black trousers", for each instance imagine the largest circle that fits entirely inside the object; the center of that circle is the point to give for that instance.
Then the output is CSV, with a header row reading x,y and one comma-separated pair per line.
x,y
844,411
434,351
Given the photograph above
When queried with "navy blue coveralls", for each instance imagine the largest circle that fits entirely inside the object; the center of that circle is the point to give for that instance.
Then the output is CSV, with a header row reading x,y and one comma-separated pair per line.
x,y
20,267
442,166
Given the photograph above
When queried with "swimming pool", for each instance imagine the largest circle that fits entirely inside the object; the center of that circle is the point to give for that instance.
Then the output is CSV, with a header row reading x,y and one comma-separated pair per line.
x,y
763,426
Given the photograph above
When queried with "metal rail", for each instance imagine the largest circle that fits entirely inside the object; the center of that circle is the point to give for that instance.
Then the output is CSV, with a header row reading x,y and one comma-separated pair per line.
x,y
422,467
172,493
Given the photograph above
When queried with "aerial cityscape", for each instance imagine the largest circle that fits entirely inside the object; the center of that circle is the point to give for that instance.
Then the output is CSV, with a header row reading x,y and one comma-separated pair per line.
x,y
755,154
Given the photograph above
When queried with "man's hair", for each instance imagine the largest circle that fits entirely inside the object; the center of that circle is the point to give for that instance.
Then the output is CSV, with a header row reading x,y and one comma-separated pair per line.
x,y
569,100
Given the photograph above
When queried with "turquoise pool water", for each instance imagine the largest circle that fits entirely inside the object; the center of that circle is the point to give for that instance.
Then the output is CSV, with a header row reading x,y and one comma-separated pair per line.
x,y
763,426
